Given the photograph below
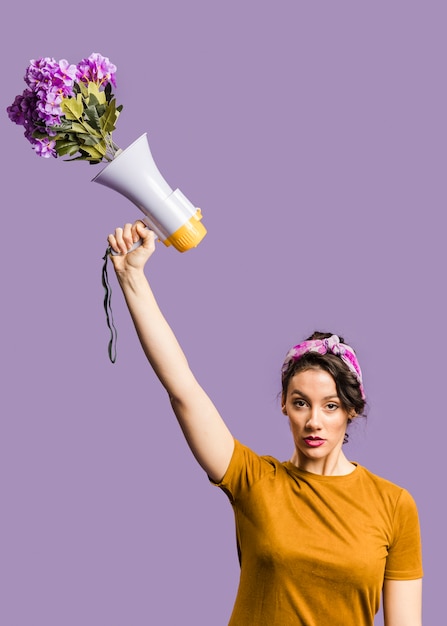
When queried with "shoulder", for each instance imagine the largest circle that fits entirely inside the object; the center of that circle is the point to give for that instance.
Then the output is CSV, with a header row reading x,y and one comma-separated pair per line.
x,y
396,495
379,481
246,468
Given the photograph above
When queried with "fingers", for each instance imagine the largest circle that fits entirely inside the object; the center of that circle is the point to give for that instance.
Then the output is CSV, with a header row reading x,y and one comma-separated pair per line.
x,y
123,239
139,230
143,232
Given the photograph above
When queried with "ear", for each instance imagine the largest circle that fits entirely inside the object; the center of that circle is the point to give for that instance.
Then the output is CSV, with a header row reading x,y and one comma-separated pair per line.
x,y
283,404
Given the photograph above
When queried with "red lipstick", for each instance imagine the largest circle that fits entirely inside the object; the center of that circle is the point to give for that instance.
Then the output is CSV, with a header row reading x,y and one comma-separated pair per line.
x,y
314,442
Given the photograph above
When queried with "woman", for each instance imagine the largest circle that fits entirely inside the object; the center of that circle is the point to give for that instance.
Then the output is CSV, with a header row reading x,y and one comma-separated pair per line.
x,y
319,538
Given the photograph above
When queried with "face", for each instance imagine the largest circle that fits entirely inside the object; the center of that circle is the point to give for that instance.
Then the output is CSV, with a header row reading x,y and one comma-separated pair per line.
x,y
317,420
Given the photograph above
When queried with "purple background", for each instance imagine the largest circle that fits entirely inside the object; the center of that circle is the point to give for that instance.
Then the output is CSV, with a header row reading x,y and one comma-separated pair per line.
x,y
313,137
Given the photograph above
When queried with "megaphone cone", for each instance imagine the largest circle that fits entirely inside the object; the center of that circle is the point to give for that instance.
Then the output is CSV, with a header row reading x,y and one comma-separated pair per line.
x,y
134,174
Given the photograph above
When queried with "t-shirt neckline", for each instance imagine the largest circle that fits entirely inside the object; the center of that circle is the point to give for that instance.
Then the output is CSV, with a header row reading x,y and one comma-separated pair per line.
x,y
291,468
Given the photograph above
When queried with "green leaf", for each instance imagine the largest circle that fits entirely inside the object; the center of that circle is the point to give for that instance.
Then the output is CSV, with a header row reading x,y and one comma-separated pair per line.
x,y
92,88
96,152
101,109
66,147
38,135
101,147
95,93
92,100
92,153
72,137
63,127
109,118
84,128
88,140
108,92
81,157
93,117
72,107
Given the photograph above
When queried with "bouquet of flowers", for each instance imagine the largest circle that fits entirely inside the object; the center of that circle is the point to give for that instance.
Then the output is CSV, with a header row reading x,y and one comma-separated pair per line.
x,y
69,110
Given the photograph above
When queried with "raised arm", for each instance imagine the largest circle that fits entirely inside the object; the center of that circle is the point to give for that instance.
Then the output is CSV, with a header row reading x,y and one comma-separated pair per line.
x,y
206,433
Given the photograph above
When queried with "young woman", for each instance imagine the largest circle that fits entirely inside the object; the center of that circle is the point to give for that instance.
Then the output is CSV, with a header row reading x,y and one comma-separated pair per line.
x,y
320,539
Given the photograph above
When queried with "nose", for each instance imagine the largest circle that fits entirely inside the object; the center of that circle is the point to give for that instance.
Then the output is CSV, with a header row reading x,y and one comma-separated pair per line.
x,y
313,421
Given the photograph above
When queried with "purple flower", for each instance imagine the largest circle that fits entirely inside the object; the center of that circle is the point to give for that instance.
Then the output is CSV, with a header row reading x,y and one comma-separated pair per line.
x,y
66,76
45,148
45,74
17,112
39,72
96,69
49,108
23,111
49,82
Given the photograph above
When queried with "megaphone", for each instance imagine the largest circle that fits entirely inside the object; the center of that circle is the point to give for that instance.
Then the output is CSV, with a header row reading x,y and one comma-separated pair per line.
x,y
134,174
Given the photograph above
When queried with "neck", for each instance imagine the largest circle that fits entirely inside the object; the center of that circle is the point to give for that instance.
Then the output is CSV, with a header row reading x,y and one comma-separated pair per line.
x,y
337,465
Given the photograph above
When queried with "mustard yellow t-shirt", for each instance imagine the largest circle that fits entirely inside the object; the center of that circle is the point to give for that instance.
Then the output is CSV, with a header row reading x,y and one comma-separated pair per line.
x,y
314,550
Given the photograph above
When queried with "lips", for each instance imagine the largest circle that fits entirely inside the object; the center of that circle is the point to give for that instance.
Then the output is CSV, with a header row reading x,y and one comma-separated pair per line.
x,y
314,442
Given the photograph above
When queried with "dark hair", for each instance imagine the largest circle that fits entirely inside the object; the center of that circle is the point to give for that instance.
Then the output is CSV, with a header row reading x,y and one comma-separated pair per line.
x,y
346,383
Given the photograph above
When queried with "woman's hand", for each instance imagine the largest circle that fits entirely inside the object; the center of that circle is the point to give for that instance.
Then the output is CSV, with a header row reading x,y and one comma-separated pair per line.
x,y
122,240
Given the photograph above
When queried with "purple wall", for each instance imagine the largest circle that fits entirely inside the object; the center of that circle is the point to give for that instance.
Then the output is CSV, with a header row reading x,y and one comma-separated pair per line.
x,y
313,137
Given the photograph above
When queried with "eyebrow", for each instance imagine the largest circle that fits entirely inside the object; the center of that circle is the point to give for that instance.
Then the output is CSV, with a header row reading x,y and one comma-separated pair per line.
x,y
297,392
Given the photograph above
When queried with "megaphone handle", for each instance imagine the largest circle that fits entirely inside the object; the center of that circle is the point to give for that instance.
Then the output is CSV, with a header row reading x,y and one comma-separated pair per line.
x,y
134,247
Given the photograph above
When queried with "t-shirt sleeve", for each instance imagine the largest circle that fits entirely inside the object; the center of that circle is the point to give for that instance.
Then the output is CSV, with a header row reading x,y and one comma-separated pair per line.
x,y
404,561
245,469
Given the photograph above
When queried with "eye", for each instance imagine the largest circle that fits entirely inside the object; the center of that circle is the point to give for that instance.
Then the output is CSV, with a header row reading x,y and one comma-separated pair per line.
x,y
332,406
299,403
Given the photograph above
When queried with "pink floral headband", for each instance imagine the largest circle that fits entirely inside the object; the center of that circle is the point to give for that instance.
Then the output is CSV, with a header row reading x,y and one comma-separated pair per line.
x,y
322,346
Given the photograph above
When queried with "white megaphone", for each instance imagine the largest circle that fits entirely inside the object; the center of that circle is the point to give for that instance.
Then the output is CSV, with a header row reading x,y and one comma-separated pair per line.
x,y
168,213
